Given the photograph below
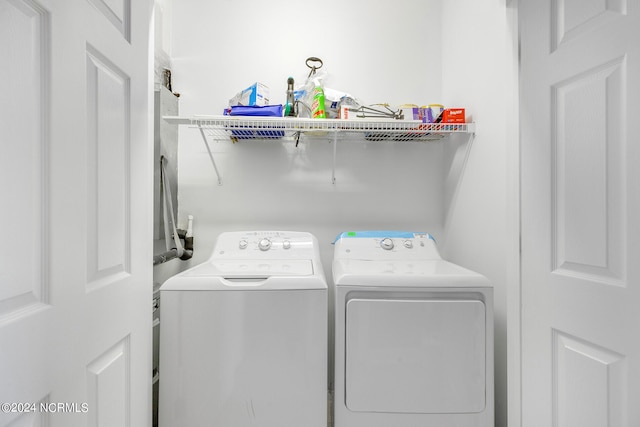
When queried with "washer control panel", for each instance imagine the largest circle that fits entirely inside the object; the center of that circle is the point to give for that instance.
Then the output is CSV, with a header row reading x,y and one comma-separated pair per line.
x,y
265,244
385,245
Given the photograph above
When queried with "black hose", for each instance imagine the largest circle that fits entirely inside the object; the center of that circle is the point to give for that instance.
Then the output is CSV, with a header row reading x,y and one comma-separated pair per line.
x,y
187,253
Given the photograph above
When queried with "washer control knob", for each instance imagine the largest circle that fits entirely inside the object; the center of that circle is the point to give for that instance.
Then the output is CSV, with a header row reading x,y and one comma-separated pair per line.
x,y
386,244
286,244
408,244
264,244
243,244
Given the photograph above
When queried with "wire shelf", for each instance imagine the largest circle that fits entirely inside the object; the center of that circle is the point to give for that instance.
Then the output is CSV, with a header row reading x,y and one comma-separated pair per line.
x,y
239,128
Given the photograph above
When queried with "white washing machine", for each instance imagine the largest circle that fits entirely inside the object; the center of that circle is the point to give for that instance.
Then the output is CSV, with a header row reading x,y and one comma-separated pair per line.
x,y
244,335
414,335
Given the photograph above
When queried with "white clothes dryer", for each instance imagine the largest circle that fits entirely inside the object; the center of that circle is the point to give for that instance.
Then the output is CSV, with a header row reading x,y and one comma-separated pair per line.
x,y
243,339
414,335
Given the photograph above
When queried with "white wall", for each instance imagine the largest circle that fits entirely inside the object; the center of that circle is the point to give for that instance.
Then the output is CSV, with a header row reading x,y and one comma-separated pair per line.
x,y
162,14
408,51
368,48
479,72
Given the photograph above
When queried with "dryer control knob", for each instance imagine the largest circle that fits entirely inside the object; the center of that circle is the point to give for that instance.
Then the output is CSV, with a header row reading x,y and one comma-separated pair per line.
x,y
408,244
243,244
264,244
386,244
286,244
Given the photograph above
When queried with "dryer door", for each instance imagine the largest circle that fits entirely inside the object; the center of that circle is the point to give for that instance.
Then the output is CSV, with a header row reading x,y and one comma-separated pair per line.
x,y
415,355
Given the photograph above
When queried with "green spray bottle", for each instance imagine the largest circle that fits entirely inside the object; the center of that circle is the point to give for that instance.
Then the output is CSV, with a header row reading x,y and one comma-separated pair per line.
x,y
317,106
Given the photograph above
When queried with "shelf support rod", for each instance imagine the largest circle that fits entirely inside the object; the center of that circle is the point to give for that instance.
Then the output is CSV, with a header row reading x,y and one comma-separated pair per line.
x,y
213,162
335,149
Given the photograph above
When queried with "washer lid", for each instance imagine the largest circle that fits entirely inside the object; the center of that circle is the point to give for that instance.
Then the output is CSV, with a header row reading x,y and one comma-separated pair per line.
x,y
248,275
250,269
411,273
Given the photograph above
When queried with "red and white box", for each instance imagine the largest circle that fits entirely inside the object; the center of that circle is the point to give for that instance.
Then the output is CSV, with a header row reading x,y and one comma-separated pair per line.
x,y
453,115
348,112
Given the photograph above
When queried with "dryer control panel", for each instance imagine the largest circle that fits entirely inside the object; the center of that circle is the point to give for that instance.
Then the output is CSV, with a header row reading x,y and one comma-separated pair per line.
x,y
265,245
386,245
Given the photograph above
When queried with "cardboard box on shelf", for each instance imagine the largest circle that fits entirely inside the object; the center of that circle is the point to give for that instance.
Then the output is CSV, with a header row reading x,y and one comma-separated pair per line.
x,y
256,94
453,115
348,112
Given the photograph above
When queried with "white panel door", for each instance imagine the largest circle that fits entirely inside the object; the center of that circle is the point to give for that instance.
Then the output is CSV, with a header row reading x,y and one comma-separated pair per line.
x,y
580,151
75,262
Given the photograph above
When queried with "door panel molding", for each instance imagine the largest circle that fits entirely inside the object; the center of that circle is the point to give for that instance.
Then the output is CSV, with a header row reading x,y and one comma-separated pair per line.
x,y
109,387
588,118
572,19
108,180
589,383
118,13
24,36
